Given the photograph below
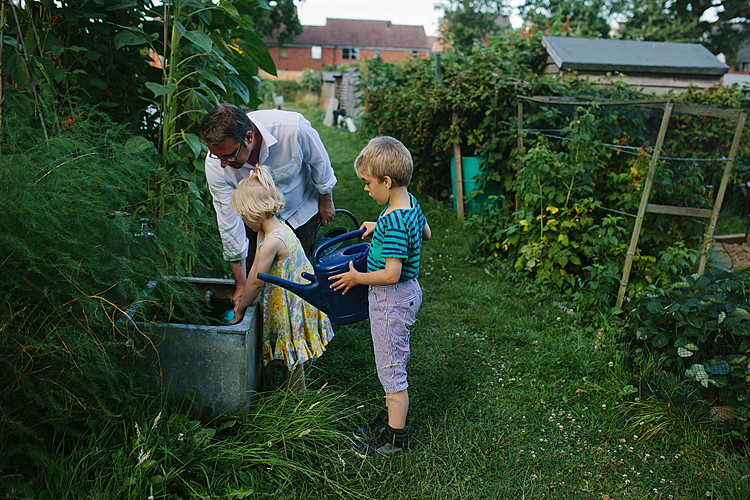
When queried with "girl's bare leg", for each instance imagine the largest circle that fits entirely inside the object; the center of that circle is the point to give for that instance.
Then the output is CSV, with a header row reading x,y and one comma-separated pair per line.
x,y
295,380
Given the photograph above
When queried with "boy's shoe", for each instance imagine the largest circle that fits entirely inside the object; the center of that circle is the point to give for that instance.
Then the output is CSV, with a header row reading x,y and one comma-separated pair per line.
x,y
390,442
373,429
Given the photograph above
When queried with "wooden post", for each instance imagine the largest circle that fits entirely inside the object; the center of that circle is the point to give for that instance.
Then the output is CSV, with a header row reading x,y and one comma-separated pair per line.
x,y
520,148
644,202
720,195
459,172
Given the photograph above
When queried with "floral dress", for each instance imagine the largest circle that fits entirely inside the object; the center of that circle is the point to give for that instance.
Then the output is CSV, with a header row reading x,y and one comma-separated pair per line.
x,y
293,330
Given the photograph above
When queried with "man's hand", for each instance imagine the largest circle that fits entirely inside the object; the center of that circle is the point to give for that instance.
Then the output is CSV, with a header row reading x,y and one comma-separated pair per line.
x,y
237,295
326,210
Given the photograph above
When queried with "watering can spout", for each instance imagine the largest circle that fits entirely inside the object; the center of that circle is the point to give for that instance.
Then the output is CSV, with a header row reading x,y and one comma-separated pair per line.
x,y
307,290
341,309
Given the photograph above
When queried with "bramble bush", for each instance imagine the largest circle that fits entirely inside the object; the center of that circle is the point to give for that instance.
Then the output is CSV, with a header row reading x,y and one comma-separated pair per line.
x,y
404,100
698,330
564,214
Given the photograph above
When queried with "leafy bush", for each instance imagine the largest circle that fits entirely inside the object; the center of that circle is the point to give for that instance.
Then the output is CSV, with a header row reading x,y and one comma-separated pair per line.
x,y
404,100
570,230
697,329
74,254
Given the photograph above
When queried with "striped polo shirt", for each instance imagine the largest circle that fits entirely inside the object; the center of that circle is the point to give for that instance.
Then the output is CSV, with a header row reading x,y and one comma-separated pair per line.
x,y
398,234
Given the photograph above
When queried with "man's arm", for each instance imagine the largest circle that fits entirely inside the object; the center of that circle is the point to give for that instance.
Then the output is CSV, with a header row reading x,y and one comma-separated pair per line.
x,y
239,274
231,227
314,154
326,210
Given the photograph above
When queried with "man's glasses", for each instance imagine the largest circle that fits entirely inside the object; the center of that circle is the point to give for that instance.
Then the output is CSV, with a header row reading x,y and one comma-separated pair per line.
x,y
228,158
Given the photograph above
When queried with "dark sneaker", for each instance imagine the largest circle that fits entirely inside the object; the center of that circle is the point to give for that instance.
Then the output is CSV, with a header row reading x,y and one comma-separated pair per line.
x,y
373,429
390,442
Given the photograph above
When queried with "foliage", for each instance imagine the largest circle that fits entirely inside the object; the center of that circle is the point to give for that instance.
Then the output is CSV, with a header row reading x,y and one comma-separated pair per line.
x,y
280,21
569,230
73,56
698,329
66,225
78,52
312,80
184,56
71,260
588,19
722,25
405,100
154,449
469,21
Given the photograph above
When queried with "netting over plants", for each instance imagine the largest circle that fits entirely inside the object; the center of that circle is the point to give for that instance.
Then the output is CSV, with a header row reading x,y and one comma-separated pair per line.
x,y
582,168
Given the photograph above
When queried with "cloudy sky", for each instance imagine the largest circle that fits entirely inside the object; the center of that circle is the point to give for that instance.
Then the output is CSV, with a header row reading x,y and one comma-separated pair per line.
x,y
412,12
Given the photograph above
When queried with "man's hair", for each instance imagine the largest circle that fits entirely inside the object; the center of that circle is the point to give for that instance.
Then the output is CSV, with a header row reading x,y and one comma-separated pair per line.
x,y
222,122
385,156
257,198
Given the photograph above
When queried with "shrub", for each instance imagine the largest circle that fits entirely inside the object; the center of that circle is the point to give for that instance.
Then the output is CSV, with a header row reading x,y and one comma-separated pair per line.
x,y
73,255
697,330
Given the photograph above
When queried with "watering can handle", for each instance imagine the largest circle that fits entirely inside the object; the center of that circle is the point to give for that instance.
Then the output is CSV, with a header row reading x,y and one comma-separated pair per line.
x,y
333,241
338,211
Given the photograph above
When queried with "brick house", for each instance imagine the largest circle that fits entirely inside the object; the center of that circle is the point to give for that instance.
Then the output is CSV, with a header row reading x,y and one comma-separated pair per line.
x,y
347,41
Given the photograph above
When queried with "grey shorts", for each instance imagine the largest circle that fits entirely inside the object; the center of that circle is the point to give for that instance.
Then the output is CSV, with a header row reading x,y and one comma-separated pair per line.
x,y
393,310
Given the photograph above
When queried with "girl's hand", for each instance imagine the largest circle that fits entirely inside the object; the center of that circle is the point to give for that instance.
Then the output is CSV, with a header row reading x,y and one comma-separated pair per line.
x,y
239,313
345,280
369,228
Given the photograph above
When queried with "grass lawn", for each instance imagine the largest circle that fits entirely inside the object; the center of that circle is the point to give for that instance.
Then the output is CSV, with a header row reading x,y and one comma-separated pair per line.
x,y
511,397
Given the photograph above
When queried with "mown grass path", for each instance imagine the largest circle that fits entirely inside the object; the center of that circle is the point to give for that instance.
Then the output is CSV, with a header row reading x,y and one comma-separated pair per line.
x,y
510,396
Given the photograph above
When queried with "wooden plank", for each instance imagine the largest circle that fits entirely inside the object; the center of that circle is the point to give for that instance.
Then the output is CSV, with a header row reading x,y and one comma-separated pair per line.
x,y
644,203
673,210
569,100
459,169
715,111
720,195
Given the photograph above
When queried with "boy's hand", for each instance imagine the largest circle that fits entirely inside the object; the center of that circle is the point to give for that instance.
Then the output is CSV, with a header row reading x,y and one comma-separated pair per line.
x,y
345,280
369,228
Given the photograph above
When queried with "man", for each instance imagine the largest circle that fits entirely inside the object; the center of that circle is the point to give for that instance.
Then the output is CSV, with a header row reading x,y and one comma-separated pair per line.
x,y
299,163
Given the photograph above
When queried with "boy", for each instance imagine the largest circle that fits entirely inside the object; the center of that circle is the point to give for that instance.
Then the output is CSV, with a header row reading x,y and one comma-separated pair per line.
x,y
385,165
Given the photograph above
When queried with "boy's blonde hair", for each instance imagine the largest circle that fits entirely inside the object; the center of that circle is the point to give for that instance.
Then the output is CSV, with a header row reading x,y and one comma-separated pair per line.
x,y
257,198
385,156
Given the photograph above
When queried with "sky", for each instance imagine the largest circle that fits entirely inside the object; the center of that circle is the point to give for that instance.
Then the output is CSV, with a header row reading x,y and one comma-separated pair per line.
x,y
411,12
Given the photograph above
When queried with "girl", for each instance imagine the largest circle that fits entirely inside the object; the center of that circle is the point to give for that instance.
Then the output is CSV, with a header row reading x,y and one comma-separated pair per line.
x,y
293,330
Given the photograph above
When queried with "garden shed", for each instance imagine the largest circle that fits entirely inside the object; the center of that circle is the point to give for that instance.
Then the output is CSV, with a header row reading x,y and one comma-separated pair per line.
x,y
654,67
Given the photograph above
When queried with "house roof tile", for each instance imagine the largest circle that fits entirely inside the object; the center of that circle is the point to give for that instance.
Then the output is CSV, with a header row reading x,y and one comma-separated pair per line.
x,y
358,33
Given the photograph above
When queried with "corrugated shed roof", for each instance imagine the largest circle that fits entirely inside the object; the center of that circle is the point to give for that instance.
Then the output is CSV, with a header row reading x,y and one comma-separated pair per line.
x,y
629,56
358,33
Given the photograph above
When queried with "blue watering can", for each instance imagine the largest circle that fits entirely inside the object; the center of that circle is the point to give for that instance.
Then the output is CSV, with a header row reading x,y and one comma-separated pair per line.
x,y
341,309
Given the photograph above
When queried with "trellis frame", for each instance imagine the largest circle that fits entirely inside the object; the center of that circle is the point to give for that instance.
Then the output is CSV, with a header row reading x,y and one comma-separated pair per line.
x,y
669,107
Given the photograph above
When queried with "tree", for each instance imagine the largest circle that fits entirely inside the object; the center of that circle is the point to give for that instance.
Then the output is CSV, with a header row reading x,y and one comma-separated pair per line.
x,y
720,25
586,18
471,20
280,21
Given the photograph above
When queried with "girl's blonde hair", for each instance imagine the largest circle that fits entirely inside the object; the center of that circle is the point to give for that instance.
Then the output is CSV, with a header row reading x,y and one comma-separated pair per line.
x,y
257,198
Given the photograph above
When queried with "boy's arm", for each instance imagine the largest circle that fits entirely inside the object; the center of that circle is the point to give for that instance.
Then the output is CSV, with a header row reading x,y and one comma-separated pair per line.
x,y
387,276
262,264
426,232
